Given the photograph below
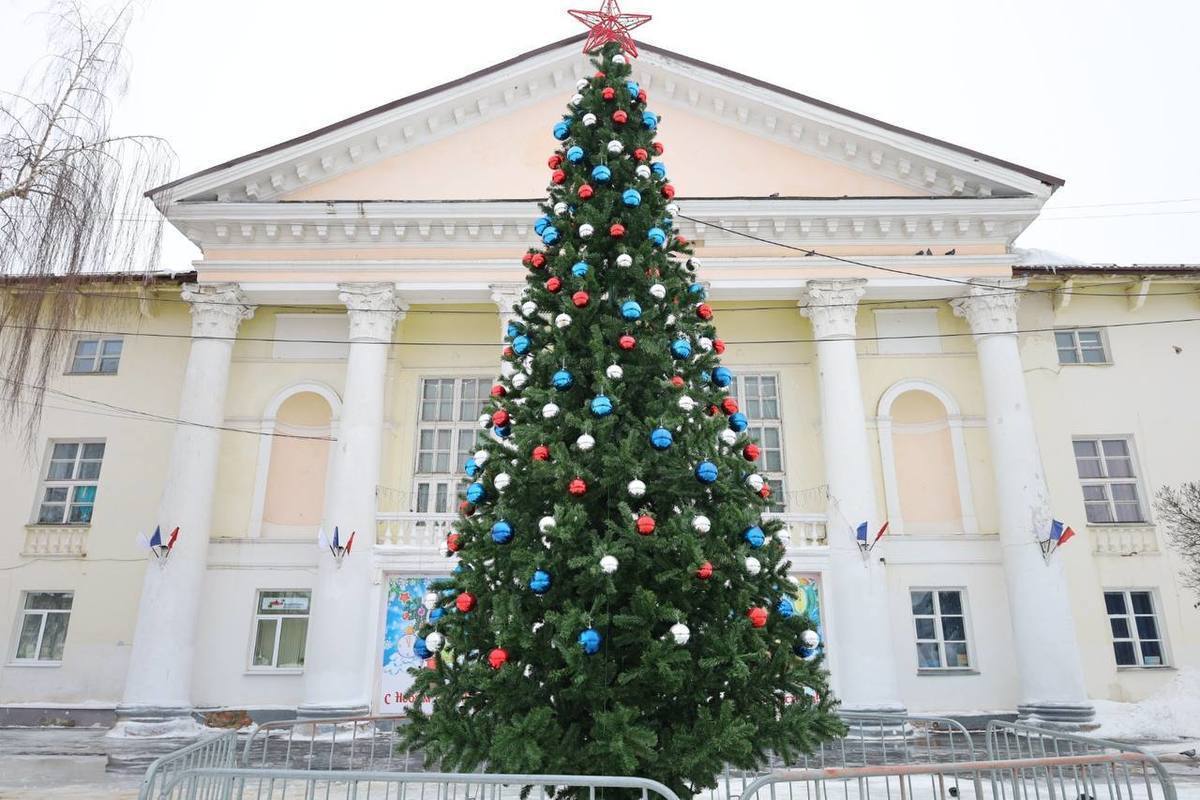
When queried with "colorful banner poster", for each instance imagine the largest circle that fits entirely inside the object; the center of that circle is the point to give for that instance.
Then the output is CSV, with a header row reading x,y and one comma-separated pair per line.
x,y
402,619
808,603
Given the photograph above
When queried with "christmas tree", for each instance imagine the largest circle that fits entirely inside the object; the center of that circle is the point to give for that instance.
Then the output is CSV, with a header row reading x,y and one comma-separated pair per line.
x,y
620,605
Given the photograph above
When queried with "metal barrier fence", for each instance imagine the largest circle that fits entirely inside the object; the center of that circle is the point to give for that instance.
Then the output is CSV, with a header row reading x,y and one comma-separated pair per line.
x,y
1080,777
273,784
342,743
210,752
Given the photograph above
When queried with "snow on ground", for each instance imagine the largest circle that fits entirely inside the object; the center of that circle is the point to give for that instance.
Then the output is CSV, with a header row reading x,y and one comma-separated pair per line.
x,y
1173,712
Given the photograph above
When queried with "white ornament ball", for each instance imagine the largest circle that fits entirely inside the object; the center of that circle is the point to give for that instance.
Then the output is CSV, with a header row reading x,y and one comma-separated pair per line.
x,y
615,146
481,457
624,260
727,436
527,363
589,119
581,84
705,343
672,208
680,633
694,263
636,488
562,320
550,410
546,524
434,641
658,291
614,372
586,230
529,308
670,319
642,172
585,442
752,565
810,639
561,208
609,564
485,420
618,59
686,403
507,369
784,536
701,524
430,601
502,481
519,380
577,100
754,481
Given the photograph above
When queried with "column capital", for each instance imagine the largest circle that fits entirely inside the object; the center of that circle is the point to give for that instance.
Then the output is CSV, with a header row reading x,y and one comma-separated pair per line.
x,y
217,308
832,306
990,305
505,296
374,309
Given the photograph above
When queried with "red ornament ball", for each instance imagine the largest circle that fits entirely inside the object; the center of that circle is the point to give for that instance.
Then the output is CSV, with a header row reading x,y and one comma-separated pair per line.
x,y
641,95
507,351
608,93
500,417
499,391
712,410
555,161
758,617
668,191
683,240
719,346
658,148
527,259
765,492
453,543
541,453
616,230
498,658
751,452
677,381
466,508
580,298
554,284
704,311
627,342
645,525
601,74
431,662
577,487
640,154
620,117
465,602
558,177
585,192
729,405
705,572
537,261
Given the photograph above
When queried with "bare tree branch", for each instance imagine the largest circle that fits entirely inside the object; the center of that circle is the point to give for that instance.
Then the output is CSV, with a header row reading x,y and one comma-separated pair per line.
x,y
71,200
1179,510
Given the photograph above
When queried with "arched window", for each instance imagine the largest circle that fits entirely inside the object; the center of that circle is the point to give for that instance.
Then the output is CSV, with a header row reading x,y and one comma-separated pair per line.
x,y
926,477
289,495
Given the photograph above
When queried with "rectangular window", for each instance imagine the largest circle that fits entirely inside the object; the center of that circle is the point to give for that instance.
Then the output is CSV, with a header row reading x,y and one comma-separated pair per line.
x,y
43,626
940,619
96,356
280,629
68,491
1081,346
446,437
758,398
1109,477
1136,633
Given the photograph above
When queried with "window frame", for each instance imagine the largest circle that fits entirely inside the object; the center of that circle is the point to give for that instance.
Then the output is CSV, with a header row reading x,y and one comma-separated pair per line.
x,y
100,340
45,482
779,498
23,612
1107,480
452,479
1101,334
273,668
968,639
1130,616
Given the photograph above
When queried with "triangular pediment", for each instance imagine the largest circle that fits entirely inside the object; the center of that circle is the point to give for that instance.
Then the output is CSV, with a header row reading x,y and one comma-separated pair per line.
x,y
486,136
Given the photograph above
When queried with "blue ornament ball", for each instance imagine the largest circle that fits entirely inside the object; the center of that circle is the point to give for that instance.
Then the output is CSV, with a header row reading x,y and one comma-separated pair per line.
x,y
631,310
721,375
681,348
550,236
502,431
786,608
502,532
562,130
804,652
471,468
738,422
579,269
661,438
657,236
513,330
540,582
562,380
520,346
650,119
601,405
590,641
601,174
706,472
436,614
539,226
659,169
697,289
754,537
631,198
705,376
476,492
575,154
632,87
420,650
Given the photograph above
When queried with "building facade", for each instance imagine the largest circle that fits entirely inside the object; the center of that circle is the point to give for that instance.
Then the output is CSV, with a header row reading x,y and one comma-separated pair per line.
x,y
327,360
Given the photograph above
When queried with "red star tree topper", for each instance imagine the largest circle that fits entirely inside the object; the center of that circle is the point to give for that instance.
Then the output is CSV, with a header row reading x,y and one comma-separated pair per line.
x,y
610,25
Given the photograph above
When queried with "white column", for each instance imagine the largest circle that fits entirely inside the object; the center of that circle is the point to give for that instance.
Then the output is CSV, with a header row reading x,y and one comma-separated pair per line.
x,y
159,681
1047,656
338,668
863,656
505,296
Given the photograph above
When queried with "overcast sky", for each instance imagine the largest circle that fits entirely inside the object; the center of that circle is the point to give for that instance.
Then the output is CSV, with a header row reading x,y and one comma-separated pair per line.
x,y
1100,92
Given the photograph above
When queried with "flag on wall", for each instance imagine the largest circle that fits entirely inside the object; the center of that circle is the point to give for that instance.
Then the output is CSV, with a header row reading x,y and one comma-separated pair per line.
x,y
861,534
1060,534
